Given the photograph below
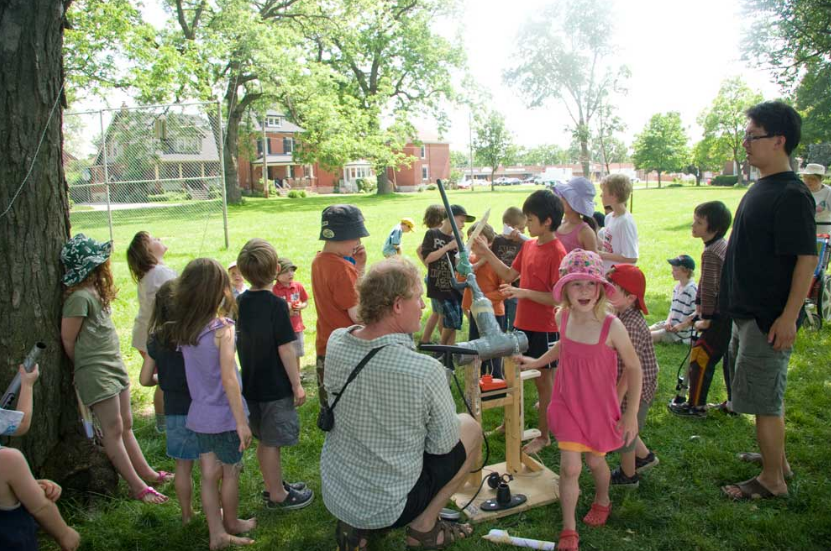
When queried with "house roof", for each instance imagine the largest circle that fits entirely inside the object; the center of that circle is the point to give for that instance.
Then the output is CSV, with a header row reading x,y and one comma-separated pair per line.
x,y
276,159
286,126
428,136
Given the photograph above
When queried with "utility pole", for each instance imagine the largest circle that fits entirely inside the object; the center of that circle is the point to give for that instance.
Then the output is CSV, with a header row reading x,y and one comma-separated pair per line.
x,y
265,156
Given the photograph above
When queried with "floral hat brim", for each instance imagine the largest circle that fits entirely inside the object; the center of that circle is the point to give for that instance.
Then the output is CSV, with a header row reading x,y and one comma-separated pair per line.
x,y
581,265
81,255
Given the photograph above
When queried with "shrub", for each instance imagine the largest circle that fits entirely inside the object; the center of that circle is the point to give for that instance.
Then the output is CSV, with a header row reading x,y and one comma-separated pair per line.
x,y
168,197
294,194
725,180
432,187
366,185
303,194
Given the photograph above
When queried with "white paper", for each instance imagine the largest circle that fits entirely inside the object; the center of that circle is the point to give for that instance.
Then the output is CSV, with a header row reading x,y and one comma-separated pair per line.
x,y
502,536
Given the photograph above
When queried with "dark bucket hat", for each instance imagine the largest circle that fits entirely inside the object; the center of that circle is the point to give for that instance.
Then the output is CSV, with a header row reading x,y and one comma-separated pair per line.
x,y
81,255
342,223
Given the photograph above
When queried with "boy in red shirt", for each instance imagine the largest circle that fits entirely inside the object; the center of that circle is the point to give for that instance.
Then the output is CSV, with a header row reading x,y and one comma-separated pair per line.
x,y
295,296
335,273
537,265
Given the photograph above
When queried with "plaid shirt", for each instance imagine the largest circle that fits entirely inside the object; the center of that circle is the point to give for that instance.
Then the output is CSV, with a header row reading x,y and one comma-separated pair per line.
x,y
641,339
398,408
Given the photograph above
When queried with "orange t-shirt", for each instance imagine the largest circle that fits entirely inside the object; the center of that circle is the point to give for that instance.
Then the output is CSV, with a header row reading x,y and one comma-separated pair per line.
x,y
489,284
334,287
539,269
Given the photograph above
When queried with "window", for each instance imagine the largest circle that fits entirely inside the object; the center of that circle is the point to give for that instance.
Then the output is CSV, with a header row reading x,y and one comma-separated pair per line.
x,y
274,121
288,145
423,152
425,173
187,145
290,171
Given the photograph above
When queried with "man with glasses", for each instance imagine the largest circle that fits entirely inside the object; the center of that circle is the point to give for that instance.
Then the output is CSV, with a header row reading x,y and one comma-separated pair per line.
x,y
767,271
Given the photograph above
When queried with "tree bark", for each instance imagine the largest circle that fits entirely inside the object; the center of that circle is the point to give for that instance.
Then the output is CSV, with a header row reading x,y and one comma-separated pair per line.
x,y
739,168
584,159
34,229
659,179
383,181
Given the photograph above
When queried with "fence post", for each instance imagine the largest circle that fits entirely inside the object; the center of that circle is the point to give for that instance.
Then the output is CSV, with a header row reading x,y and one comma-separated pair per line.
x,y
222,172
106,173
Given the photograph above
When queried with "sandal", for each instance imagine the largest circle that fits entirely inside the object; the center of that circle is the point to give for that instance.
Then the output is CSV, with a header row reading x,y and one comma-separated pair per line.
x,y
350,538
153,494
163,477
452,531
750,490
753,457
569,541
598,514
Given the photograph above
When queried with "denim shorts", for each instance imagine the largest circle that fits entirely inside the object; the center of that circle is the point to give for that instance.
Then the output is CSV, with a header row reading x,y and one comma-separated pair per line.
x,y
435,304
275,424
225,445
182,442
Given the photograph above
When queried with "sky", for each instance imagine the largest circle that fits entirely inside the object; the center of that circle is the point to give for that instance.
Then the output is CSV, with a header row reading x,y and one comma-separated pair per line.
x,y
678,52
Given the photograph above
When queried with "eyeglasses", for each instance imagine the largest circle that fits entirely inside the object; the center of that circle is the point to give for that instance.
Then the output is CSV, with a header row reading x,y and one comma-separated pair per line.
x,y
750,138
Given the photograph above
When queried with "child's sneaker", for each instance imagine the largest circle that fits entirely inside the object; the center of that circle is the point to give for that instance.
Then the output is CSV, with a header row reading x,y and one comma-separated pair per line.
x,y
619,478
686,410
643,464
296,499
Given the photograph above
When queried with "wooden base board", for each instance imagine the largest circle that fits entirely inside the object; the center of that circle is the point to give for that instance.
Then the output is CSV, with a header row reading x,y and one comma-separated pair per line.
x,y
541,488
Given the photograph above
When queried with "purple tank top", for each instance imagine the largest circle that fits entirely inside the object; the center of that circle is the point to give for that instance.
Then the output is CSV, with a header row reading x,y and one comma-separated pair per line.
x,y
210,411
571,240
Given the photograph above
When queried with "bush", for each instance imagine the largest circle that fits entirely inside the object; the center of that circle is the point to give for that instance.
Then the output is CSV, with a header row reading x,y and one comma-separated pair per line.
x,y
432,187
168,197
303,194
725,180
366,185
294,194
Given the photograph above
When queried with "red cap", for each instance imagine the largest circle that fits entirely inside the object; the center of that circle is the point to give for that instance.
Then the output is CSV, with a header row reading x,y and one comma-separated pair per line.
x,y
630,278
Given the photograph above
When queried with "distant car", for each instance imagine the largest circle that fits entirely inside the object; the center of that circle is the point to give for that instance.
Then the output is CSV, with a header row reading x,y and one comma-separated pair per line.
x,y
512,181
501,181
635,180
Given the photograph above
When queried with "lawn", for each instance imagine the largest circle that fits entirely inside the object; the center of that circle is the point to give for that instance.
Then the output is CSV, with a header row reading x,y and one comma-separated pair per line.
x,y
678,504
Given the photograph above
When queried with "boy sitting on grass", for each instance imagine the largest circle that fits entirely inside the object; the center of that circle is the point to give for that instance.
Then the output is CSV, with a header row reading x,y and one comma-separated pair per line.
x,y
682,306
26,503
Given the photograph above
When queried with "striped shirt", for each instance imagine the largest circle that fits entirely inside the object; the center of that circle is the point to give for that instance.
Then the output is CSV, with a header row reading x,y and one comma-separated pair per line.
x,y
712,259
641,338
682,306
397,409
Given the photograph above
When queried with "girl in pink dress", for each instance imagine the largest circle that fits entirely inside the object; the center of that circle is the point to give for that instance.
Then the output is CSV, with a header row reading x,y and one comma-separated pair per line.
x,y
584,413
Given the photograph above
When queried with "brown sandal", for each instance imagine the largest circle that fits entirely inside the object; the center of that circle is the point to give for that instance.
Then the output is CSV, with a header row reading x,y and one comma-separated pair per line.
x,y
350,538
453,532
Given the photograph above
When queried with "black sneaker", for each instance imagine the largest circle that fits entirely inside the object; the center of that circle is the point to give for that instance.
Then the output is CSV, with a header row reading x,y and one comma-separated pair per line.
x,y
686,410
643,464
297,499
288,486
620,479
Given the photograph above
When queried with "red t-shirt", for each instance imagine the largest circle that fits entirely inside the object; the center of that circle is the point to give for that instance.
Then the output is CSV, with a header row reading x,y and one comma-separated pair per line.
x,y
334,286
291,294
539,270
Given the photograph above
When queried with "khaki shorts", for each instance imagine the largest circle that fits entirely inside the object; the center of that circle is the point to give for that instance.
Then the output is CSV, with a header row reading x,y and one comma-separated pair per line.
x,y
761,373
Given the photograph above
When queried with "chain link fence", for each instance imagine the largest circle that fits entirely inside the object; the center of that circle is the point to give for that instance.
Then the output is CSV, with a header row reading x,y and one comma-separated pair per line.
x,y
154,168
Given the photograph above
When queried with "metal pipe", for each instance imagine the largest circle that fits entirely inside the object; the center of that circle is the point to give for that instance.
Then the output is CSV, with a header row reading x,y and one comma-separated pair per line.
x,y
28,364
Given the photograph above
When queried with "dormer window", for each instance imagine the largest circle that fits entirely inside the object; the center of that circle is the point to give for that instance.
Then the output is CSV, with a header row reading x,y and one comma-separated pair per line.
x,y
274,122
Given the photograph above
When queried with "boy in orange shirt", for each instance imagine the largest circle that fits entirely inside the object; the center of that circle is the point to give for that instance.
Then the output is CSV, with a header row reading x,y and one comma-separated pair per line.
x,y
335,273
489,283
538,268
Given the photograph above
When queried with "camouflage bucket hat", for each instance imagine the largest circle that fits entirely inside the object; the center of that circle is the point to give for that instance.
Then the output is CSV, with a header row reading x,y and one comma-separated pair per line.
x,y
81,255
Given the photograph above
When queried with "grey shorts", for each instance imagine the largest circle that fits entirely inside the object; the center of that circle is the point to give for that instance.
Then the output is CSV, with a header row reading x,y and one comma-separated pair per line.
x,y
761,373
225,445
643,410
299,343
276,423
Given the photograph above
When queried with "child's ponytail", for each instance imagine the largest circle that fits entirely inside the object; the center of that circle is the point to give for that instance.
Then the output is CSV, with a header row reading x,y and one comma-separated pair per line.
x,y
139,258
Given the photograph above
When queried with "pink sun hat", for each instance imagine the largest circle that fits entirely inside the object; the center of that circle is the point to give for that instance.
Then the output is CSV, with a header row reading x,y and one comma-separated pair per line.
x,y
581,265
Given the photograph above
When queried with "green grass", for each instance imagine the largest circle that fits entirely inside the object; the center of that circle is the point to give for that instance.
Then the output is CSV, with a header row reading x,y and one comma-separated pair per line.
x,y
678,505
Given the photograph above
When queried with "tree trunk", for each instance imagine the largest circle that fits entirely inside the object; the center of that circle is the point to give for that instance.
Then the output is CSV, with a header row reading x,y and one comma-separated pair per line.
x,y
384,184
493,185
584,158
233,195
659,179
739,168
34,230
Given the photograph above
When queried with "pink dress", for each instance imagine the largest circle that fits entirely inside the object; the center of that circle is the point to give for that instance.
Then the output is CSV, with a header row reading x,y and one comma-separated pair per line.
x,y
571,240
584,408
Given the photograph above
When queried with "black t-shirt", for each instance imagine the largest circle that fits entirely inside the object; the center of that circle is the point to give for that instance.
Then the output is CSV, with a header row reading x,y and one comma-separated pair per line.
x,y
774,224
506,250
439,273
262,327
172,380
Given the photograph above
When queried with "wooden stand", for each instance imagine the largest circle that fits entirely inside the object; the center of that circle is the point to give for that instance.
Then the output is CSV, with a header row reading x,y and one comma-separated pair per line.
x,y
538,483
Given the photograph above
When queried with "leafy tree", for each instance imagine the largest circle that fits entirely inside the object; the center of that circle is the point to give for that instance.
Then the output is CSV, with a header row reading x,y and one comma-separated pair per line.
x,y
707,155
391,62
546,154
724,121
662,145
607,147
459,159
564,53
492,142
791,38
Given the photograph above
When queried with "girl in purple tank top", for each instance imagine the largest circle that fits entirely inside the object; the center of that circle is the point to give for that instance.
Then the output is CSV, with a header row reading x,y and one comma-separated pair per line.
x,y
578,228
584,413
218,414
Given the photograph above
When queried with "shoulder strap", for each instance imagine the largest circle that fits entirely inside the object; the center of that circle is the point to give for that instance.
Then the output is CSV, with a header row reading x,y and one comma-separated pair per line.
x,y
607,323
354,374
